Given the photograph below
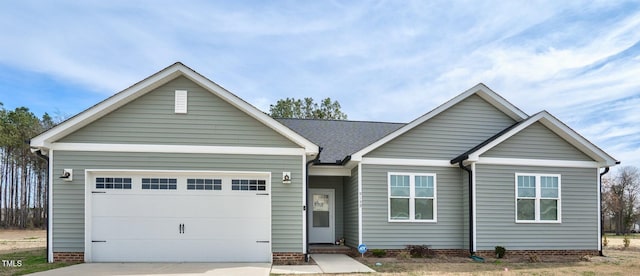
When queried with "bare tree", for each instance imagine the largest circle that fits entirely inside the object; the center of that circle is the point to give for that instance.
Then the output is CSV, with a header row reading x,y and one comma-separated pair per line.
x,y
620,198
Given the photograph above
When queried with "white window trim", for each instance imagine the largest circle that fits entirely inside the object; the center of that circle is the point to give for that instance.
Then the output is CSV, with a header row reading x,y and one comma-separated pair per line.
x,y
538,197
412,197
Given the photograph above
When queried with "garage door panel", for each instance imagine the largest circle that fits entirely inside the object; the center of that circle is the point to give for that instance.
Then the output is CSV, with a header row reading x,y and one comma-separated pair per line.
x,y
108,228
230,229
132,205
180,250
165,205
180,226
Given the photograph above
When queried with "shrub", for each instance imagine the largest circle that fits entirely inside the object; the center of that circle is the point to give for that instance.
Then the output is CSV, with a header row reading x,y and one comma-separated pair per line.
x,y
500,252
533,258
378,253
605,242
627,241
420,251
403,255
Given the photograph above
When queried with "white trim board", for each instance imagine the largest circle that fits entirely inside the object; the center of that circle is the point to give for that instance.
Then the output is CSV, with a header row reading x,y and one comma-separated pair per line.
x,y
360,204
536,162
88,188
475,203
50,211
480,89
304,203
329,171
560,129
135,91
407,162
176,149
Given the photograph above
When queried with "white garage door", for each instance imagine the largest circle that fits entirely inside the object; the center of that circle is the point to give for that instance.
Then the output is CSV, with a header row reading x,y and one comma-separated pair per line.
x,y
176,218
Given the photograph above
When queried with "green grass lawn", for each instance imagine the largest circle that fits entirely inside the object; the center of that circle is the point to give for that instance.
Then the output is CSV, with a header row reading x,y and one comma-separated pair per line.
x,y
25,262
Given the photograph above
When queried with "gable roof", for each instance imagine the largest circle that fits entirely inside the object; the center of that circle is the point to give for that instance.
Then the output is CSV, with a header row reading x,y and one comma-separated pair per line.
x,y
480,89
44,140
339,139
553,124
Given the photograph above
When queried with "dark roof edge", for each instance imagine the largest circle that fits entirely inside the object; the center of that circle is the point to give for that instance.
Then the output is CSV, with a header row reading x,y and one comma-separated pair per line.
x,y
465,155
334,120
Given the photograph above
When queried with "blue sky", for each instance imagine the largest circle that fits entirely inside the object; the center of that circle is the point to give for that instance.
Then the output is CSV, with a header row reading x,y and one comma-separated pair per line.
x,y
382,60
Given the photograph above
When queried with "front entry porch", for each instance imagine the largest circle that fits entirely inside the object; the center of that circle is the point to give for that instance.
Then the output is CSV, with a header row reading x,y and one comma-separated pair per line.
x,y
326,211
329,249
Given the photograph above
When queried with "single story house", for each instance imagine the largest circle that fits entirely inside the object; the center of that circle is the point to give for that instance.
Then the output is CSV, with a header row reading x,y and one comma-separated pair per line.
x,y
177,169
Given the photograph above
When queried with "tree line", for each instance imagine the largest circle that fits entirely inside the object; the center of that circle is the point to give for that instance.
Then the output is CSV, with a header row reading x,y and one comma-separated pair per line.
x,y
23,174
23,182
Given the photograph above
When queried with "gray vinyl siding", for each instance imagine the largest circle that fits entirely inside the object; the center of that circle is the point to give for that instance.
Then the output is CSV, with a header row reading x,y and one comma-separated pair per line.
x,y
537,142
448,134
150,119
496,211
335,183
378,232
68,197
351,209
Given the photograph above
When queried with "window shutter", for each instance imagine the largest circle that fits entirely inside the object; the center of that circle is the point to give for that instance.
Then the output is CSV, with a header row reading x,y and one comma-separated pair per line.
x,y
181,102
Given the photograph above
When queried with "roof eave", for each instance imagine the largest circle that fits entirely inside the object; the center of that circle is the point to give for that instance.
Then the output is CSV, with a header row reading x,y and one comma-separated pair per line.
x,y
114,102
480,89
559,128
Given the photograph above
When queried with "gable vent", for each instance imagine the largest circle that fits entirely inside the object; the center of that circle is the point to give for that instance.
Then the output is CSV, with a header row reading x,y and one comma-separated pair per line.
x,y
181,102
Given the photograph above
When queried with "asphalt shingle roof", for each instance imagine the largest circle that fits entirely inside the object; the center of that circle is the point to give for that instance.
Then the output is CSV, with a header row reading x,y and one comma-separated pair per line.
x,y
340,139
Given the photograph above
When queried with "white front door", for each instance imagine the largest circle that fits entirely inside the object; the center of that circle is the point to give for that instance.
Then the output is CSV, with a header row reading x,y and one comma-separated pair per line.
x,y
321,216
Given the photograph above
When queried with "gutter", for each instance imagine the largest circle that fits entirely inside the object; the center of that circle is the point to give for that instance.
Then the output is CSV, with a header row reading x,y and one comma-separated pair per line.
x,y
606,170
470,174
306,201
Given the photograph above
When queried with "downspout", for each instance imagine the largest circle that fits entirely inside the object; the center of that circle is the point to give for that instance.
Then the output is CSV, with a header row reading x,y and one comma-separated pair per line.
x,y
606,170
306,200
470,173
45,158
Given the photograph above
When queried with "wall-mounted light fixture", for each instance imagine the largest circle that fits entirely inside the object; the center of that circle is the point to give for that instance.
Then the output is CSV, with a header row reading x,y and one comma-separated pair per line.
x,y
286,177
67,175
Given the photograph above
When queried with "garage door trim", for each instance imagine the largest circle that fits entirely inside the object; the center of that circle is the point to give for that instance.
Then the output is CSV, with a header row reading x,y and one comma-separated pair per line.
x,y
90,174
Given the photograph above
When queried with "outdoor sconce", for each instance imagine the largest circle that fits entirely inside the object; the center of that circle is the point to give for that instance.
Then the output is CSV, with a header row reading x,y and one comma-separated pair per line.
x,y
286,177
67,175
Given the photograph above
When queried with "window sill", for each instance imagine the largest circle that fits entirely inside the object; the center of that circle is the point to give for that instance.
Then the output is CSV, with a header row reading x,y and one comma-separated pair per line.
x,y
539,221
412,221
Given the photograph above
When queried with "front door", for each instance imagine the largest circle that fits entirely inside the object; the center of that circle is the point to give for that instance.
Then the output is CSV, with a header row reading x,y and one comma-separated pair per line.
x,y
321,216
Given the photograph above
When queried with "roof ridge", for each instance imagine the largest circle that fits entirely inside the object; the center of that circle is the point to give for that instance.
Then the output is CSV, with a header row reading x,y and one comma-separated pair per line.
x,y
335,120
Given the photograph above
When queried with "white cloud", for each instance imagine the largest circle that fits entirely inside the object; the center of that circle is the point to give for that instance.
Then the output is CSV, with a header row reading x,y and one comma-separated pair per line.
x,y
383,60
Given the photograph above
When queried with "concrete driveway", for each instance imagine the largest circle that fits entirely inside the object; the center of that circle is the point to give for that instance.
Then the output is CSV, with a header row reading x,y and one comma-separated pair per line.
x,y
123,269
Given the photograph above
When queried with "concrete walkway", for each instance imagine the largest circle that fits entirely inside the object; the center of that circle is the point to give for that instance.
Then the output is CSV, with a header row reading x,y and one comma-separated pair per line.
x,y
325,263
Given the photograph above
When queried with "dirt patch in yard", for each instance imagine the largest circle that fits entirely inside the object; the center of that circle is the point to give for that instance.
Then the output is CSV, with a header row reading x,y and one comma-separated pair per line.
x,y
615,262
21,240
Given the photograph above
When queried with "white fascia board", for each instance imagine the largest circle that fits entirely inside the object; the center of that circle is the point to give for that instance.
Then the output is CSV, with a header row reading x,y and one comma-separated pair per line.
x,y
310,147
575,139
176,149
407,162
560,129
329,171
110,104
537,162
480,89
154,81
499,102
